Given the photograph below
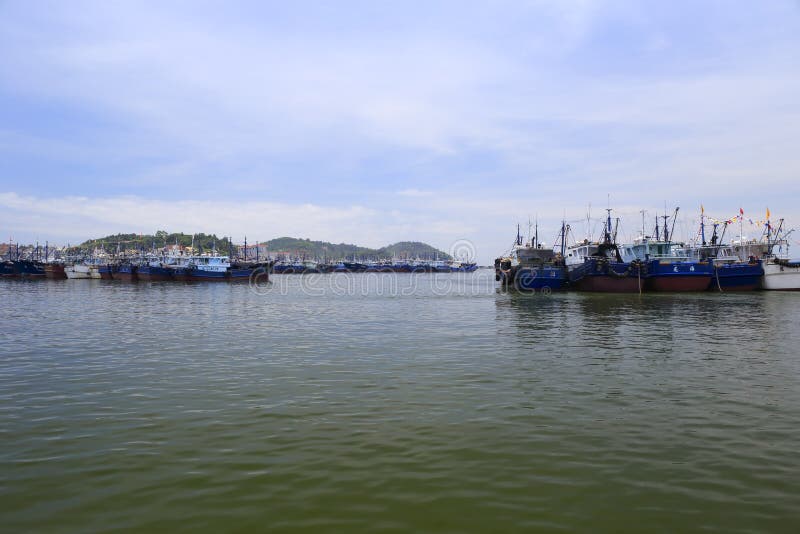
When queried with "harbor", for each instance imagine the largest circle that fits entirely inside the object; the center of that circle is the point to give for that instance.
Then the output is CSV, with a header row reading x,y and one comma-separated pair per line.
x,y
653,262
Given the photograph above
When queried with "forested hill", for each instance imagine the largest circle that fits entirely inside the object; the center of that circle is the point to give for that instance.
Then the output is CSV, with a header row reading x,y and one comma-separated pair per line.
x,y
286,245
202,242
333,251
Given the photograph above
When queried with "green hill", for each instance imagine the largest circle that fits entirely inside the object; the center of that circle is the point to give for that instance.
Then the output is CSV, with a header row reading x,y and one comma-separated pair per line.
x,y
296,247
203,242
331,251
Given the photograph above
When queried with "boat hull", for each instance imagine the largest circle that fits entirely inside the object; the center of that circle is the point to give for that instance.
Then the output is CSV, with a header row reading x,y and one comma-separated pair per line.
x,y
737,277
239,275
678,276
127,273
179,274
678,283
72,274
198,275
106,271
55,271
29,269
154,273
604,276
532,279
781,277
7,269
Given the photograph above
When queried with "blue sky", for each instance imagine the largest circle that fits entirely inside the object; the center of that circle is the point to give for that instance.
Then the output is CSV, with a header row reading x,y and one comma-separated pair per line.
x,y
373,122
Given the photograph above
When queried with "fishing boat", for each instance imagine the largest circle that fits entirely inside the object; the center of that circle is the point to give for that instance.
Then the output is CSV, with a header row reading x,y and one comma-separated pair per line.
x,y
667,264
207,268
730,272
531,266
781,272
599,267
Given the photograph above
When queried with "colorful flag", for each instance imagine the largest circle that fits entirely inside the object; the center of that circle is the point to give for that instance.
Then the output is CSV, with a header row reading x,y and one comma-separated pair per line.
x,y
767,213
741,211
702,209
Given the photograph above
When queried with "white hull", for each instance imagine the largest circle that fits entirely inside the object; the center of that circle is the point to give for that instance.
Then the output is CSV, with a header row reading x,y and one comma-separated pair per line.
x,y
79,272
781,277
94,272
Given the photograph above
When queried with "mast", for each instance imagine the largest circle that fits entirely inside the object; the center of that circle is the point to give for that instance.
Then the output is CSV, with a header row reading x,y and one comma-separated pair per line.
x,y
714,235
563,237
741,226
607,236
643,212
702,224
674,220
769,231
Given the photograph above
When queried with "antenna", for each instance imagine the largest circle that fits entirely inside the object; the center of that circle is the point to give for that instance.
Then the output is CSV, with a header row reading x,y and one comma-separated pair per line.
x,y
589,221
530,225
643,212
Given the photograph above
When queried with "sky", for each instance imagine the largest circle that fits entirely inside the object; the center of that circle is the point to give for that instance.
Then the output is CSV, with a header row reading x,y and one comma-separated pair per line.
x,y
376,122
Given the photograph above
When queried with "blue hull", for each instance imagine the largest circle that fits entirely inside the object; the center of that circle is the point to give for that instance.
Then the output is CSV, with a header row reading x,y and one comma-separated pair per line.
x,y
198,275
607,276
154,273
237,275
127,272
7,269
679,276
737,277
28,268
549,278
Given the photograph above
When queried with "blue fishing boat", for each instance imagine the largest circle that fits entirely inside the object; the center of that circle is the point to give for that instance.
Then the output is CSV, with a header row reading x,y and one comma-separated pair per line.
x,y
667,265
598,267
207,268
730,272
533,267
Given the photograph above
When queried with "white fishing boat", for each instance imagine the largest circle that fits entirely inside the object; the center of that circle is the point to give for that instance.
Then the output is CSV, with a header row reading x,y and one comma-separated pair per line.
x,y
782,275
781,272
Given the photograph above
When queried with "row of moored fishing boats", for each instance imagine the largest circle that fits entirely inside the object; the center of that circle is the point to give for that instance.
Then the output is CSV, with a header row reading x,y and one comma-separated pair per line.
x,y
160,268
651,262
386,266
155,268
